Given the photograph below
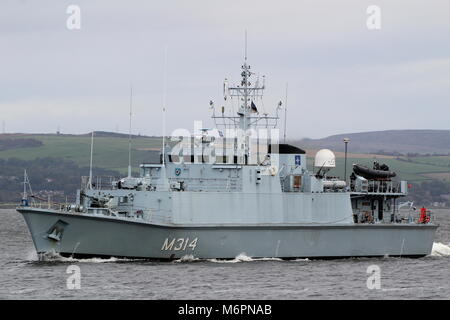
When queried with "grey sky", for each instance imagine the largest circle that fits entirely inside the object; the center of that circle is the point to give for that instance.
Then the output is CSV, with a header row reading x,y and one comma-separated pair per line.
x,y
342,77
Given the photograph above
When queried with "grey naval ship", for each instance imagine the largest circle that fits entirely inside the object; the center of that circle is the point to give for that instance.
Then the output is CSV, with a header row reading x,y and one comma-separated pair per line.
x,y
218,194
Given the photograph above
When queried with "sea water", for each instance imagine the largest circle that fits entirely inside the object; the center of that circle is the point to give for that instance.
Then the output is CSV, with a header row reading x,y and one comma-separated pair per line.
x,y
24,276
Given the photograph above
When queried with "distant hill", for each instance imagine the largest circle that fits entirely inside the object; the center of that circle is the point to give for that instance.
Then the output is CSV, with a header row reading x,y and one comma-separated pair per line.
x,y
110,149
6,144
386,142
107,134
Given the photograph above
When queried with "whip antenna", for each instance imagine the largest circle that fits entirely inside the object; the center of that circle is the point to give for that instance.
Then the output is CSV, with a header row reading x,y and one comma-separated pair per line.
x,y
164,107
90,165
285,112
129,133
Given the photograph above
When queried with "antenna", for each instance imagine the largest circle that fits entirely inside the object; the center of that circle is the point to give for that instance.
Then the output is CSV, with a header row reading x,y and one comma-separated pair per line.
x,y
25,178
90,165
245,52
245,83
164,108
129,133
285,113
26,181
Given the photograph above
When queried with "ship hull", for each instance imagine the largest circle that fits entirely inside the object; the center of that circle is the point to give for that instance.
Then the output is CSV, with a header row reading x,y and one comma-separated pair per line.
x,y
82,235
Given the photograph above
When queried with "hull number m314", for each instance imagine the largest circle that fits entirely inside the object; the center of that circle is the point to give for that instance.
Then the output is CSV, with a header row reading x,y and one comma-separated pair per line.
x,y
178,244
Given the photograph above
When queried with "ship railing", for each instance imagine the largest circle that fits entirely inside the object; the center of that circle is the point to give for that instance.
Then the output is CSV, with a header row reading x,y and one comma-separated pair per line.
x,y
150,215
383,186
379,186
137,212
415,217
39,203
99,182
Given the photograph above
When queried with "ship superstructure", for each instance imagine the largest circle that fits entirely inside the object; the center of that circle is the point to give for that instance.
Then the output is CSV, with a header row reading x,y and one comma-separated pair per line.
x,y
230,190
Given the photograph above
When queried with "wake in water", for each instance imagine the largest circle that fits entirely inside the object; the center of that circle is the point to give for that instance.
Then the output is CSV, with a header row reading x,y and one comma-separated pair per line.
x,y
242,257
440,249
56,257
188,258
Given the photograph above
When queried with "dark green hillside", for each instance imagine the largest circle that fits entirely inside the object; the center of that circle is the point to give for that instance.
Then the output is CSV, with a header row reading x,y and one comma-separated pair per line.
x,y
110,150
48,176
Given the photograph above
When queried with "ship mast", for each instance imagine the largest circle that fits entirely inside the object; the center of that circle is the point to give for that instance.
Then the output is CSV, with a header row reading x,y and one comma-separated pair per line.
x,y
90,163
245,76
129,133
25,195
248,95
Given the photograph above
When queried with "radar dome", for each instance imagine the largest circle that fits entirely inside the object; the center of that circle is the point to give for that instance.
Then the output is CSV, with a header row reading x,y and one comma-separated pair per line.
x,y
325,158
